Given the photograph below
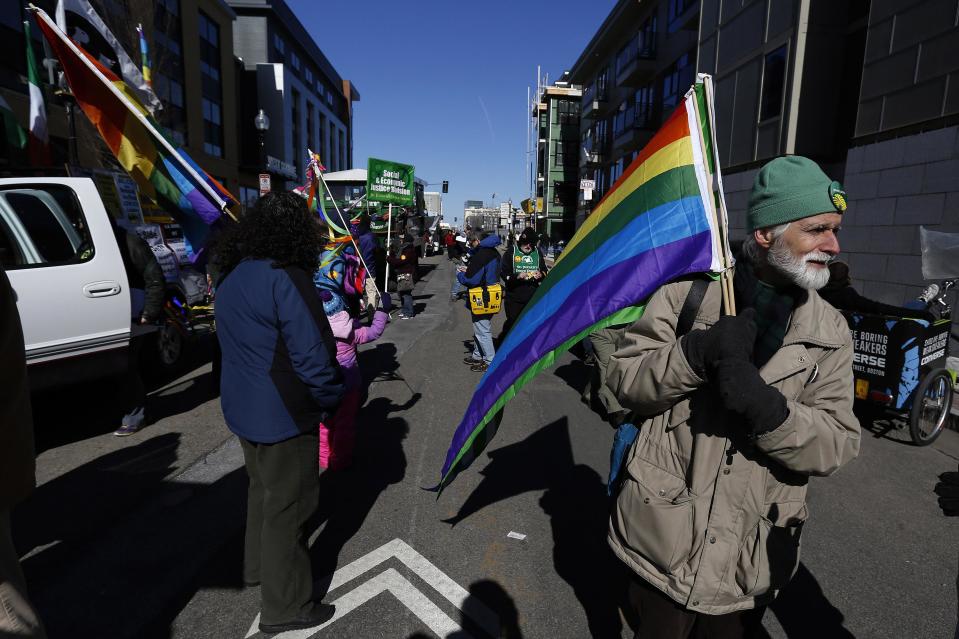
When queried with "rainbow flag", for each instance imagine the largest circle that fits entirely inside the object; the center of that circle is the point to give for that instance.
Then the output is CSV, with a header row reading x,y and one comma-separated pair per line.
x,y
657,223
163,173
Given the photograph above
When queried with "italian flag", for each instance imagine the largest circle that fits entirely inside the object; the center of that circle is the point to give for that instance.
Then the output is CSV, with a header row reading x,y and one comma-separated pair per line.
x,y
16,137
39,145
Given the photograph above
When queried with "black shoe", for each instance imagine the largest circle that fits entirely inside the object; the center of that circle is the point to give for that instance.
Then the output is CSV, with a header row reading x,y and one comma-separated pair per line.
x,y
471,361
251,583
482,367
320,614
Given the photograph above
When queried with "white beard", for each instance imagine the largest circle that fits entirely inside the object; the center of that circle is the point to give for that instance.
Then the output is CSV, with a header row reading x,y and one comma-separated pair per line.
x,y
796,268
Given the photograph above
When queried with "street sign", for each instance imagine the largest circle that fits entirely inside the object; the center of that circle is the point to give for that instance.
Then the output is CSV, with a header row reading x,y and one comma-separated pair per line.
x,y
264,183
587,185
393,582
588,194
389,182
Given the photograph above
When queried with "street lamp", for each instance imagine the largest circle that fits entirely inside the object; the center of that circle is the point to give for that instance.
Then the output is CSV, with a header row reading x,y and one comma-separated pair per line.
x,y
262,124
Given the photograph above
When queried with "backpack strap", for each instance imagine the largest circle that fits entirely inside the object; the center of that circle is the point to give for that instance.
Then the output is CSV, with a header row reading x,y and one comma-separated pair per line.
x,y
694,300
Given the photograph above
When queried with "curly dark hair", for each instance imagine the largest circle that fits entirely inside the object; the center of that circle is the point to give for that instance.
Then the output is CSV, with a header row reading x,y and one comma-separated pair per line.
x,y
279,227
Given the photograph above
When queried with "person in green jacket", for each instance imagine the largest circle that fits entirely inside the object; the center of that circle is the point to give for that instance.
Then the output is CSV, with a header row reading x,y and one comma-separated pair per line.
x,y
736,416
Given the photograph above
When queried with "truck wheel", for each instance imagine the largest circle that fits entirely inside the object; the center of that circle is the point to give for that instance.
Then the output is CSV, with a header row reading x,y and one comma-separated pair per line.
x,y
170,344
930,407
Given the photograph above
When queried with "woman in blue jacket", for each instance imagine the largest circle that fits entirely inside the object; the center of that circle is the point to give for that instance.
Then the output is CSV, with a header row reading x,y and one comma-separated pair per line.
x,y
483,269
279,380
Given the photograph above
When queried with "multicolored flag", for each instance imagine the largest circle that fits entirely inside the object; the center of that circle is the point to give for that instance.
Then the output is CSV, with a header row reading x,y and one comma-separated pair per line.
x,y
163,173
16,136
657,223
144,57
38,149
84,25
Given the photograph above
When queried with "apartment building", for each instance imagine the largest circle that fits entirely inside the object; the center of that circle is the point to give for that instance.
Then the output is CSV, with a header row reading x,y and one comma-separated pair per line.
x,y
556,118
307,103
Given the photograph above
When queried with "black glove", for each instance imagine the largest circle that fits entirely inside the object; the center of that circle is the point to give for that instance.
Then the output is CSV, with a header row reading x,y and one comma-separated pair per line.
x,y
948,491
732,337
743,391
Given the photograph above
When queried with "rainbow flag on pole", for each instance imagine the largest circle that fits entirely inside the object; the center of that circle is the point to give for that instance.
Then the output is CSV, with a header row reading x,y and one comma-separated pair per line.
x,y
163,173
657,223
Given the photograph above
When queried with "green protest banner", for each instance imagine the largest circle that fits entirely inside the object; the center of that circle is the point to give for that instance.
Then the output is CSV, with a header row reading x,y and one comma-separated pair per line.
x,y
389,182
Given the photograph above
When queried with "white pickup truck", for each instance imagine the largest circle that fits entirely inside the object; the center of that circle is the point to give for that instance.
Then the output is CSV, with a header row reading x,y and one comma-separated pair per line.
x,y
59,251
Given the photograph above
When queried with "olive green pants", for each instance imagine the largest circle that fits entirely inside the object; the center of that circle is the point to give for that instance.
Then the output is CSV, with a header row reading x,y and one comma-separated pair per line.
x,y
283,496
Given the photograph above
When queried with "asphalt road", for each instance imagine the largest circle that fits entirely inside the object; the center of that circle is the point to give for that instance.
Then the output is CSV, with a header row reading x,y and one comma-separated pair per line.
x,y
142,536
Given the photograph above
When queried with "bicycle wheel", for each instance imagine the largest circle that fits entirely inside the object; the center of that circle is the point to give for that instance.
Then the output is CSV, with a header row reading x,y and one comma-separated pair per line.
x,y
930,407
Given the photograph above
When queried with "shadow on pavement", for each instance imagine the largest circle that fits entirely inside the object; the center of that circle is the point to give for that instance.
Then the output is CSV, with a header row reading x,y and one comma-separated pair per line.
x,y
883,424
576,374
114,542
74,413
575,500
347,496
488,595
803,610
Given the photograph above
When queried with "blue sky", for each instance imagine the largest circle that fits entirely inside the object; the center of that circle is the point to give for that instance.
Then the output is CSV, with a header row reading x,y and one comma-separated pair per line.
x,y
427,70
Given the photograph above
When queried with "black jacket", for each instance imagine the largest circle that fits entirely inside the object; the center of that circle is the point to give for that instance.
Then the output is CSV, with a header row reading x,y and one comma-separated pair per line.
x,y
143,271
517,289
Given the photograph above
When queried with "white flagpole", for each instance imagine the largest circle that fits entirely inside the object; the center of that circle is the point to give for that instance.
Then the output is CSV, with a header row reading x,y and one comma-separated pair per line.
x,y
389,231
136,112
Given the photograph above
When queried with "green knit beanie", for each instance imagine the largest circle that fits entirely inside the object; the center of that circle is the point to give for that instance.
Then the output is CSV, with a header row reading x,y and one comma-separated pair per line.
x,y
790,188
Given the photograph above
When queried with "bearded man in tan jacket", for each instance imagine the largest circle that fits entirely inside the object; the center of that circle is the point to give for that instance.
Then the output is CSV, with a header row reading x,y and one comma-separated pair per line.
x,y
736,416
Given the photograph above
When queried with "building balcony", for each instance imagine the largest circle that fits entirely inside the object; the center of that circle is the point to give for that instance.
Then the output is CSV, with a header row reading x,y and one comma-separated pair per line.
x,y
638,71
594,158
635,136
596,107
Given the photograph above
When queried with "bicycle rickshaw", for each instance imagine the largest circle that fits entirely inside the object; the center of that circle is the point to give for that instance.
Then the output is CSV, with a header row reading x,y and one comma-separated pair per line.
x,y
900,364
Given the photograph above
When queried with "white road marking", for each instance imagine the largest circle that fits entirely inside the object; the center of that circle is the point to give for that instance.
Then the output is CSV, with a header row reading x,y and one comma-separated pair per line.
x,y
402,589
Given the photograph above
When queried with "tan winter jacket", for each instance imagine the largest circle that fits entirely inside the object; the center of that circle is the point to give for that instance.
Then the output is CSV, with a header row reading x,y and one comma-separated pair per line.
x,y
711,521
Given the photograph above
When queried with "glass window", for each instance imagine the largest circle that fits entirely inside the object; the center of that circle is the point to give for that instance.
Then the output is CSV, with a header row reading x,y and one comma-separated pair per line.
x,y
279,45
310,140
645,107
42,225
324,137
295,60
774,79
168,70
308,74
342,150
646,44
171,6
675,11
209,48
627,54
298,153
211,86
602,83
248,196
676,81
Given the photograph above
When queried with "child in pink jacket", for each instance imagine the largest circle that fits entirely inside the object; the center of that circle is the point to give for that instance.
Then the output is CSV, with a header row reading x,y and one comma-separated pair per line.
x,y
338,433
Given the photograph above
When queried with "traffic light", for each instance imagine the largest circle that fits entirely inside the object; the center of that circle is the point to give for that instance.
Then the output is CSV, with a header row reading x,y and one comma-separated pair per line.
x,y
446,186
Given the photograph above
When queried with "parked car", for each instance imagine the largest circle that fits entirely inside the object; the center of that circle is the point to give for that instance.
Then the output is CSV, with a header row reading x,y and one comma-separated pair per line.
x,y
58,248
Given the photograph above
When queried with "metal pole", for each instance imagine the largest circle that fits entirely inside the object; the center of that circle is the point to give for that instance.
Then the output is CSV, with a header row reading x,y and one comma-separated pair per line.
x,y
389,232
